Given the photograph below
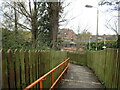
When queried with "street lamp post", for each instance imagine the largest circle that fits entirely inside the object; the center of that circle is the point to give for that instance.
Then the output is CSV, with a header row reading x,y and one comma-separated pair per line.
x,y
97,30
104,42
89,6
89,42
104,39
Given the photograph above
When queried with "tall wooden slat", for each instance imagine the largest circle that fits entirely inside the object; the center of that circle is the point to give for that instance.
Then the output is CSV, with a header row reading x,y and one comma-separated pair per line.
x,y
106,69
42,64
17,68
11,69
114,69
98,66
48,66
119,68
104,63
35,61
0,69
36,67
117,74
116,78
22,64
33,65
30,64
27,68
45,62
33,69
110,68
4,70
39,64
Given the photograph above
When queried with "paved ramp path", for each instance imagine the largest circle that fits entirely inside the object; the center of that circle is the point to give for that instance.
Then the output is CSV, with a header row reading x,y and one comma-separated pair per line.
x,y
80,77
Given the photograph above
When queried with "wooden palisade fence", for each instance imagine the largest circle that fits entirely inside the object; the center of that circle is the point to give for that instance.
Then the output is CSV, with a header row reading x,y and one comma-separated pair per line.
x,y
22,67
104,63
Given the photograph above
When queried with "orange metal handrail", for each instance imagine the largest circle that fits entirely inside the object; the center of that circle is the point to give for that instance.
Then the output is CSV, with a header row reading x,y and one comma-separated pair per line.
x,y
52,71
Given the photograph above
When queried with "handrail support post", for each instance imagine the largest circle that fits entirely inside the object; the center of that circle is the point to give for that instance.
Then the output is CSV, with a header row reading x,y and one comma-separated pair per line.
x,y
41,85
52,77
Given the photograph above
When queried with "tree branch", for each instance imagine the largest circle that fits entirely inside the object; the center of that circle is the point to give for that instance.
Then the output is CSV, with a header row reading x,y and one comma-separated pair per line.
x,y
20,12
25,27
24,9
30,7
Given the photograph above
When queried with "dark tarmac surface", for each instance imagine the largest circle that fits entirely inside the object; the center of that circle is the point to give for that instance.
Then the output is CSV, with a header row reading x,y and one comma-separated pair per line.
x,y
80,77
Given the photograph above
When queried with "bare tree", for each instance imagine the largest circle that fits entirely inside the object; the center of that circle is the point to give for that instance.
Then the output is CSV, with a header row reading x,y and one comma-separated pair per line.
x,y
30,12
115,7
83,36
112,24
29,15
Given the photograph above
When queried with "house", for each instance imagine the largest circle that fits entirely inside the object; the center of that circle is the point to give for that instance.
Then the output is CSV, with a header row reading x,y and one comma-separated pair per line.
x,y
102,37
67,37
67,34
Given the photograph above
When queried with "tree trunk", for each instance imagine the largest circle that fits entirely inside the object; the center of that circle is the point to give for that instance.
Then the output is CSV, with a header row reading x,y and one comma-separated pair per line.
x,y
54,21
16,19
34,26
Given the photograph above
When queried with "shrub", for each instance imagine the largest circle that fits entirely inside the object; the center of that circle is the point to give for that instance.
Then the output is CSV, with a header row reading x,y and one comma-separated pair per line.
x,y
108,44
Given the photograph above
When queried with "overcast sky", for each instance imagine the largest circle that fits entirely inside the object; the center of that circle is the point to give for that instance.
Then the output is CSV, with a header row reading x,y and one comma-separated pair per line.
x,y
87,16
79,15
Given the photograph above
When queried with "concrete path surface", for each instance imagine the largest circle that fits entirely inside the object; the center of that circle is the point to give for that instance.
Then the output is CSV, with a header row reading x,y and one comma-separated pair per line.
x,y
80,77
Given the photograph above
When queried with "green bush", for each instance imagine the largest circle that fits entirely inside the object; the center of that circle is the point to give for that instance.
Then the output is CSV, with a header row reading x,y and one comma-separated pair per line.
x,y
108,44
19,40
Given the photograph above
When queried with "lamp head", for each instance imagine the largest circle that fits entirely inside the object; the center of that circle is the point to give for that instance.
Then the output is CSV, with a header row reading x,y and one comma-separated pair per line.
x,y
88,6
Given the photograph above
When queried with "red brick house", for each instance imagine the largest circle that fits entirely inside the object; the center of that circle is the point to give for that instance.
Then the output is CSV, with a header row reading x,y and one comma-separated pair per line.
x,y
66,34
